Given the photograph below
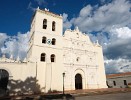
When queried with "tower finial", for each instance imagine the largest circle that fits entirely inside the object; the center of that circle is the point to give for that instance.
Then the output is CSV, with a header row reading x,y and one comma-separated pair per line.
x,y
25,60
97,42
76,28
18,59
3,56
11,56
46,9
38,8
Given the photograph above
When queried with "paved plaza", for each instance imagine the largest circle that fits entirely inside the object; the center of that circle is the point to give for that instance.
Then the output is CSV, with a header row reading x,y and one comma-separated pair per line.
x,y
96,94
115,96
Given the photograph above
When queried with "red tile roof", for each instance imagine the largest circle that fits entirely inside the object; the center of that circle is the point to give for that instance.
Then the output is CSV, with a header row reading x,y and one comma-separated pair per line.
x,y
118,75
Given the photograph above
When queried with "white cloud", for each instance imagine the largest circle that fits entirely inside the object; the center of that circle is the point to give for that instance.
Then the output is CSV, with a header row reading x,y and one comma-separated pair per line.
x,y
101,37
102,18
86,11
119,44
116,48
15,45
66,23
122,33
3,37
117,66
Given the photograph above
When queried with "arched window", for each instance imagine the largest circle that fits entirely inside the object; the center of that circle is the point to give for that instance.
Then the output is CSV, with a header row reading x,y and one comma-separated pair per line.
x,y
53,26
53,41
43,57
52,58
43,39
44,23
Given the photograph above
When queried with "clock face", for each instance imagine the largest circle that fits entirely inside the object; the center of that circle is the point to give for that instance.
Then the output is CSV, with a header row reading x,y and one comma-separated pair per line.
x,y
49,41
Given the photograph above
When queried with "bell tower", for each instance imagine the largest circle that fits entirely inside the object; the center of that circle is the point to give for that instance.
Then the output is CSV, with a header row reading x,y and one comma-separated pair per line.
x,y
45,48
46,28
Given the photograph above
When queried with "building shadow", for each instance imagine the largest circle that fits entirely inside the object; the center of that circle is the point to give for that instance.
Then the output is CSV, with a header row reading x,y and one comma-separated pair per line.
x,y
18,87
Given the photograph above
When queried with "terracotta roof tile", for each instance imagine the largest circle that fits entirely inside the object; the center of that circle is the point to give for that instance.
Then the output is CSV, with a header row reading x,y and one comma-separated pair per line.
x,y
118,75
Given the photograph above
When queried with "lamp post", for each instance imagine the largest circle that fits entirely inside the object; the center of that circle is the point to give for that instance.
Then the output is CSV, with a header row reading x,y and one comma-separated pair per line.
x,y
63,83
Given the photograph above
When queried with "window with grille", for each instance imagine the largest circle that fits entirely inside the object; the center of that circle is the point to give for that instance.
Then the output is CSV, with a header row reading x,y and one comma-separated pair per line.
x,y
53,41
53,26
44,23
43,57
52,58
44,39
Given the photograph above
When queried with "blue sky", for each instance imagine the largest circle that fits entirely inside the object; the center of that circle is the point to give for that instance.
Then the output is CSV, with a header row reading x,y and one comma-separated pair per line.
x,y
16,14
108,21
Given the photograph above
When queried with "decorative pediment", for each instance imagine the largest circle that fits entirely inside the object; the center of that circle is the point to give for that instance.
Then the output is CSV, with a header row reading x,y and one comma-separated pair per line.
x,y
76,34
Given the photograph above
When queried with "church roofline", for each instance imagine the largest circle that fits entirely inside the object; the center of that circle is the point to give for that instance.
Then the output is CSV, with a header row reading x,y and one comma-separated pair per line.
x,y
4,59
46,11
76,29
49,13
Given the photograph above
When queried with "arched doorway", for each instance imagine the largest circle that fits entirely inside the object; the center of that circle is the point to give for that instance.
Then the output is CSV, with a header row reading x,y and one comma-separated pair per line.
x,y
78,81
4,77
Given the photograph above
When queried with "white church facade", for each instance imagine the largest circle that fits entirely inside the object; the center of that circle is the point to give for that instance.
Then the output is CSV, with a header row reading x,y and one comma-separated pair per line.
x,y
54,60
